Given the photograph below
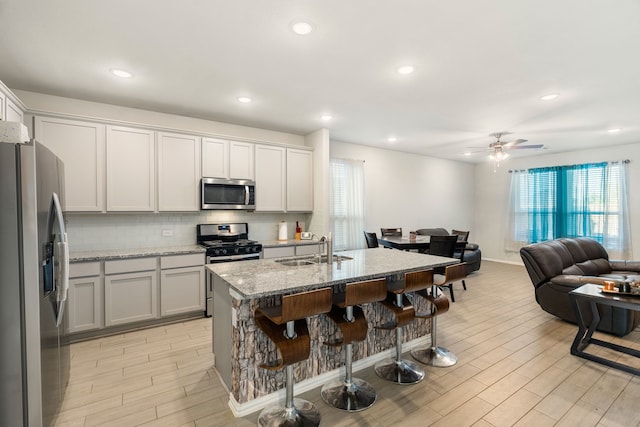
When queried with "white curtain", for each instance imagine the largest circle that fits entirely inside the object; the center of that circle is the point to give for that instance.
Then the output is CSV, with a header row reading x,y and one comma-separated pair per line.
x,y
517,234
347,203
617,234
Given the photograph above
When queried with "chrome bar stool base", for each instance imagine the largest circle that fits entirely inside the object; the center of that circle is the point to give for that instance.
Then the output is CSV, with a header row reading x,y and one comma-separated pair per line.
x,y
302,414
399,372
435,356
354,397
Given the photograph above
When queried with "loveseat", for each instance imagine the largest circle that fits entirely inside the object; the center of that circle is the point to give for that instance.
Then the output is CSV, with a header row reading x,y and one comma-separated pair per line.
x,y
556,267
472,254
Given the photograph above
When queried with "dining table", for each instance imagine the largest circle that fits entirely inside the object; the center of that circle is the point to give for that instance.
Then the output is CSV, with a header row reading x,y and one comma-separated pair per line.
x,y
407,243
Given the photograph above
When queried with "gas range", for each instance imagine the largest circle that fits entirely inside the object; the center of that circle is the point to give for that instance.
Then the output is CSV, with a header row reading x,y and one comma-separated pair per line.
x,y
227,242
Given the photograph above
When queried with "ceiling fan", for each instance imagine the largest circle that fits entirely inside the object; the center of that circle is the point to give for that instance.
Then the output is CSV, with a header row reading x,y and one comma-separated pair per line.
x,y
498,150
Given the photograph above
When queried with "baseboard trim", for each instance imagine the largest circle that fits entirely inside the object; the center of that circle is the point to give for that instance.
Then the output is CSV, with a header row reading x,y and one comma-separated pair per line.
x,y
244,409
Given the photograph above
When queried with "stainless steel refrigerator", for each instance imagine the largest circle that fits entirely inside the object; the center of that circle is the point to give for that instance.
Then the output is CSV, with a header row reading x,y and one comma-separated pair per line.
x,y
34,369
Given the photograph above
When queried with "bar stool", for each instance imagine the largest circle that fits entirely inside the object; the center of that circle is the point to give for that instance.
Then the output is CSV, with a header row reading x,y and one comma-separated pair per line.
x,y
352,394
434,355
398,370
286,326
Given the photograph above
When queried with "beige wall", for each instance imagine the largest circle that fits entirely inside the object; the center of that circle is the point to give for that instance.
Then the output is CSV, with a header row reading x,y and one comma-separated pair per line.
x,y
412,191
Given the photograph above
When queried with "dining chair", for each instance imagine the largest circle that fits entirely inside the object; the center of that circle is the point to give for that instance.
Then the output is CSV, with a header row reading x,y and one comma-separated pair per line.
x,y
463,236
372,239
444,246
391,232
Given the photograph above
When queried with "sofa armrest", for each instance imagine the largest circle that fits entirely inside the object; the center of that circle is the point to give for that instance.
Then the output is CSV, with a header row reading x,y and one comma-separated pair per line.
x,y
623,265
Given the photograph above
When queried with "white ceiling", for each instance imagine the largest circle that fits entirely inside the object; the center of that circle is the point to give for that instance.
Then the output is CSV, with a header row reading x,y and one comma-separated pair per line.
x,y
481,66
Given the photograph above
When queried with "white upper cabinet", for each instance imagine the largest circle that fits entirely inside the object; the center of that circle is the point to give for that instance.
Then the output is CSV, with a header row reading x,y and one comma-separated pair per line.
x,y
215,158
179,172
299,180
130,169
241,160
13,113
81,146
227,159
270,178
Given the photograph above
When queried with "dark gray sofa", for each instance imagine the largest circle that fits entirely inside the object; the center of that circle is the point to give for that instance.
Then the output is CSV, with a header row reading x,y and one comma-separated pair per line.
x,y
556,267
472,254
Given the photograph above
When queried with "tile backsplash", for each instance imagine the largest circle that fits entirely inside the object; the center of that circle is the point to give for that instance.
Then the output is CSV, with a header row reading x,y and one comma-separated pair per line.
x,y
89,232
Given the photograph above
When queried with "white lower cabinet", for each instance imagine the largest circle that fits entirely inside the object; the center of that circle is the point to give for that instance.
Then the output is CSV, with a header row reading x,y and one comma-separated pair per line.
x,y
132,296
85,300
181,284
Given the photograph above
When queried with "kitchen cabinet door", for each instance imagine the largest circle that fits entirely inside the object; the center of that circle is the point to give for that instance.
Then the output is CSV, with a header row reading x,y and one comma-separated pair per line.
x,y
215,158
12,112
130,169
85,300
85,304
81,146
241,160
178,172
181,290
299,180
270,178
130,297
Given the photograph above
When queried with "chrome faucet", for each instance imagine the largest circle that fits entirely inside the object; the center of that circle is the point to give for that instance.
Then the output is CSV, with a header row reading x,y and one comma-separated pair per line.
x,y
329,243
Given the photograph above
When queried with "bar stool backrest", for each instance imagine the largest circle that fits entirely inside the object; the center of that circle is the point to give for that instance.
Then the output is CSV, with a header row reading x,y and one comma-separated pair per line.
x,y
305,304
365,292
455,272
418,280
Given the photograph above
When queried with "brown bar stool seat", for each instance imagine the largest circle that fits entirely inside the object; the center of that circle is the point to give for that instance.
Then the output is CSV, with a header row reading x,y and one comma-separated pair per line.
x,y
286,326
434,355
352,394
398,370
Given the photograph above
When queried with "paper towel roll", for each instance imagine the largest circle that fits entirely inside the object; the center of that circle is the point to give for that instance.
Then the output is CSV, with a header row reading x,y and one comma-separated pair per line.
x,y
282,231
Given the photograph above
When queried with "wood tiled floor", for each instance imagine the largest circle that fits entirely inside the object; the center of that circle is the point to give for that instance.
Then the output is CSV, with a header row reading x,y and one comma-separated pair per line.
x,y
514,369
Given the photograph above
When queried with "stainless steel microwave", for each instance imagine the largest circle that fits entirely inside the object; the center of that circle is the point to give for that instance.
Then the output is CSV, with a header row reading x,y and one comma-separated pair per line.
x,y
219,193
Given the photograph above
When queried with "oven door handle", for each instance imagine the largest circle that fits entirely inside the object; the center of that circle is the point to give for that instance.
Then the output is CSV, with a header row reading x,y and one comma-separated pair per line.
x,y
212,260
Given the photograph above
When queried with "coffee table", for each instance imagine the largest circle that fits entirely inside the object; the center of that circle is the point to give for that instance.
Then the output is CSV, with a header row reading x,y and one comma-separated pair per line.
x,y
584,300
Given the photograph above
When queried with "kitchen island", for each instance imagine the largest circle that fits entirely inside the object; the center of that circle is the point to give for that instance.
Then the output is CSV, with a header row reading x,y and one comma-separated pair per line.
x,y
240,347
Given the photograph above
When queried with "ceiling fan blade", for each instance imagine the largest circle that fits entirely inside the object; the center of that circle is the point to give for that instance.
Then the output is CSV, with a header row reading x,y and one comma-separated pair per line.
x,y
516,142
521,147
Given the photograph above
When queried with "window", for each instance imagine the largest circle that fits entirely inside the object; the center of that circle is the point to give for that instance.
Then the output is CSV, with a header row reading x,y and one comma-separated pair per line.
x,y
347,203
588,200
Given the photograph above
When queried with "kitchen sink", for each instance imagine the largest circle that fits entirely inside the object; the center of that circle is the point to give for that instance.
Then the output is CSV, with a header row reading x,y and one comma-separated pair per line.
x,y
295,262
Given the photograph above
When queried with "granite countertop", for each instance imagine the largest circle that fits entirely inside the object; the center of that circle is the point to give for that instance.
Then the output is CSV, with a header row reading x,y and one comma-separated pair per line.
x,y
112,254
291,242
259,278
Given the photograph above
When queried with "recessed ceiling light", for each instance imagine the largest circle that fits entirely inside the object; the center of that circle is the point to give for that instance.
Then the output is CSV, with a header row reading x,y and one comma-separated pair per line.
x,y
614,130
326,117
549,96
302,28
392,139
467,153
406,69
244,99
124,74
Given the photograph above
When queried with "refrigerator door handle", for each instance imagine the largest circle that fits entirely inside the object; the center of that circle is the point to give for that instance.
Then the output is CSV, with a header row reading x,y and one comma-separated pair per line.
x,y
56,271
